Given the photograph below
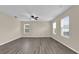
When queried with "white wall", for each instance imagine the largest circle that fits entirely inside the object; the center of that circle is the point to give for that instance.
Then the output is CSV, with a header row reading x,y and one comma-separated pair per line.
x,y
9,28
73,41
38,29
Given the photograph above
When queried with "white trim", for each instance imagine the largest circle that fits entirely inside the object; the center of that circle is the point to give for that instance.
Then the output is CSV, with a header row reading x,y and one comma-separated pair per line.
x,y
66,45
10,40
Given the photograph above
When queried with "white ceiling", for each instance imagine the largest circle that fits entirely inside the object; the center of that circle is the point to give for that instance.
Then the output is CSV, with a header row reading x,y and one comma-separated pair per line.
x,y
44,12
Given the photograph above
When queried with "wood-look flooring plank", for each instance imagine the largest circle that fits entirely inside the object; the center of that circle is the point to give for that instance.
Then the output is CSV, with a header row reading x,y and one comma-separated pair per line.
x,y
34,46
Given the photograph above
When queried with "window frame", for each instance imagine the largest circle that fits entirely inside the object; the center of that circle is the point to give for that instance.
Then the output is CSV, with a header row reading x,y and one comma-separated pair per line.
x,y
54,27
65,27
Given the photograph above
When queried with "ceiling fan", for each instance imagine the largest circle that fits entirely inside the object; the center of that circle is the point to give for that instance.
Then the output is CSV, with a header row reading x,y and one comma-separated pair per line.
x,y
36,18
28,16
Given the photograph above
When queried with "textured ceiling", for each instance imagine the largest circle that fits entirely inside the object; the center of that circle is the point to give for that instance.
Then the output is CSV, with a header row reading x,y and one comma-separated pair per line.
x,y
44,12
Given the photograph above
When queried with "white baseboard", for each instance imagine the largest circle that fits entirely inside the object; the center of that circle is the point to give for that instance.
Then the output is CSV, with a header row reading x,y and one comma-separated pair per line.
x,y
67,46
10,40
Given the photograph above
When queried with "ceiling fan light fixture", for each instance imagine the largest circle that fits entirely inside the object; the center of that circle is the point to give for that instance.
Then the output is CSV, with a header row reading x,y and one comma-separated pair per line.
x,y
35,18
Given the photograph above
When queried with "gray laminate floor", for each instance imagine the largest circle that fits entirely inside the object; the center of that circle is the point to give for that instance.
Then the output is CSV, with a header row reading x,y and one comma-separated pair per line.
x,y
34,46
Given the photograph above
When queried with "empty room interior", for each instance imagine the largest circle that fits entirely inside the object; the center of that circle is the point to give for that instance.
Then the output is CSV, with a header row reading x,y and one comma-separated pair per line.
x,y
39,29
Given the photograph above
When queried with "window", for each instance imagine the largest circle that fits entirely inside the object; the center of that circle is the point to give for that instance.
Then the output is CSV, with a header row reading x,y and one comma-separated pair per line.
x,y
26,28
65,26
54,27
